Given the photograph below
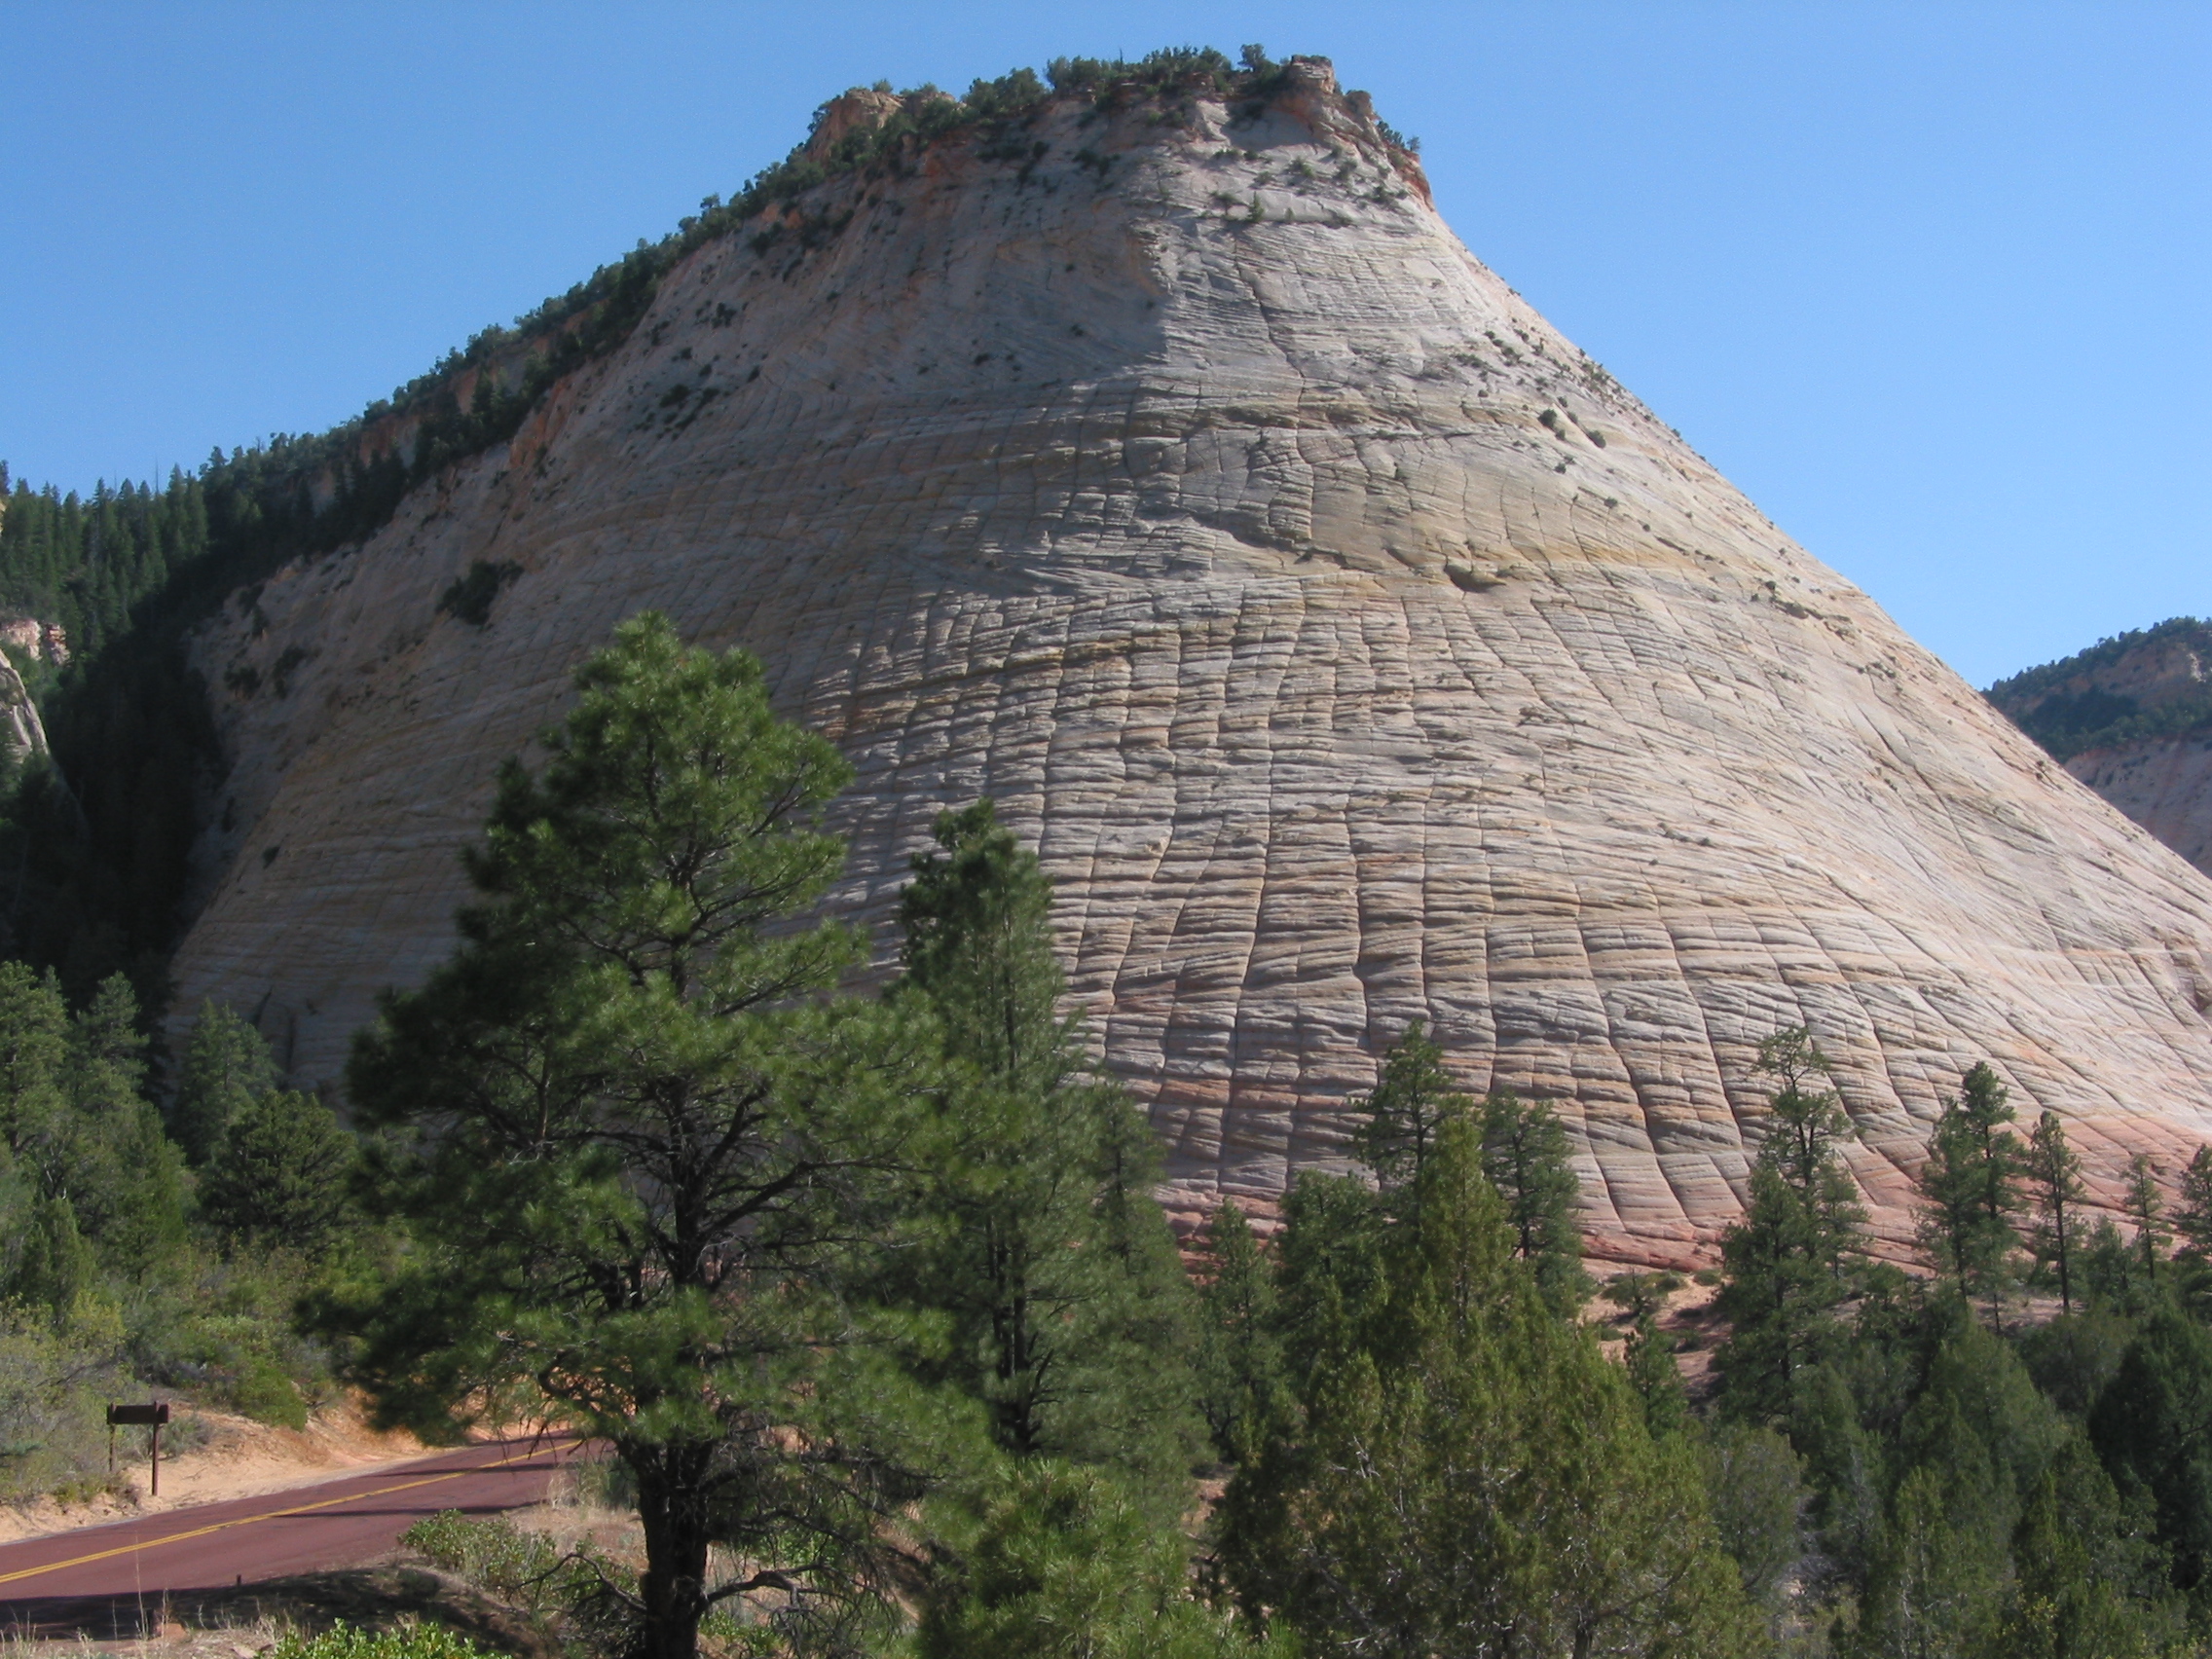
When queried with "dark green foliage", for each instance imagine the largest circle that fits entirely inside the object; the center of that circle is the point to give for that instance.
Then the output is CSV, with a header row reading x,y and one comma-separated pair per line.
x,y
2088,1576
1525,1154
280,1175
2146,1210
1240,1360
1329,1257
2114,1269
1985,1475
2054,1184
2042,702
1464,1474
1412,1101
1038,1239
106,1288
2074,1357
226,1068
1042,1560
1970,1186
640,1140
1953,1503
2193,1216
2153,1428
1756,1486
1649,1355
469,598
88,1133
1793,1257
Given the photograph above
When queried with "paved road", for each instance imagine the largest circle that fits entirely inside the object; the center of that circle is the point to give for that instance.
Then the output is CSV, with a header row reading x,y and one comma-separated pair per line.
x,y
210,1546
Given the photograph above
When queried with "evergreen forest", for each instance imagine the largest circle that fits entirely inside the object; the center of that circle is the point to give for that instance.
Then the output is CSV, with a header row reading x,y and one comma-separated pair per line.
x,y
868,1304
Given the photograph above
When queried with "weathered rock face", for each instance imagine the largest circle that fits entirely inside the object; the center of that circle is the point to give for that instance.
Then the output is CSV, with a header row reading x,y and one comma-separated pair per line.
x,y
1350,644
2164,783
21,733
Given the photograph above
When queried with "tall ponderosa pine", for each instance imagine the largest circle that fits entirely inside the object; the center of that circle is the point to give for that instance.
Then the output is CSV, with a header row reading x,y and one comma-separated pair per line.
x,y
644,1137
226,1068
1525,1154
1465,1473
1970,1186
280,1174
2193,1215
1240,1358
2054,1181
2144,1207
1039,1237
1791,1261
1401,1116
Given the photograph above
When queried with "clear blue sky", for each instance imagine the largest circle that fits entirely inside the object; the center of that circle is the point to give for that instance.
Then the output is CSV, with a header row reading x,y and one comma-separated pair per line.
x,y
1927,280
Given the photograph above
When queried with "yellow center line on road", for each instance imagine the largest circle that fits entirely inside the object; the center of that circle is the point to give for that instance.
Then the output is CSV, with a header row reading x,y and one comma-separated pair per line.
x,y
267,1515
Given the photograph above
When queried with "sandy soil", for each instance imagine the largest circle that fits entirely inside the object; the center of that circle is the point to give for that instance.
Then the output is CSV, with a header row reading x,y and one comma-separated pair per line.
x,y
238,1457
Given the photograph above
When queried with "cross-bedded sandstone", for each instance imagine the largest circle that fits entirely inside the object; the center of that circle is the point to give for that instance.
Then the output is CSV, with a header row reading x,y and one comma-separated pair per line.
x,y
1352,646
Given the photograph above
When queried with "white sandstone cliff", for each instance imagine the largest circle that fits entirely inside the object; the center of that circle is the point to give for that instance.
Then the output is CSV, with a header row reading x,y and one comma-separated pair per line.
x,y
1352,645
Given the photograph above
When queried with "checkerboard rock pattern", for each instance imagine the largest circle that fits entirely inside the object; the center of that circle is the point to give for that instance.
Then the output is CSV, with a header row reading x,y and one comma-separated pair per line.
x,y
1353,648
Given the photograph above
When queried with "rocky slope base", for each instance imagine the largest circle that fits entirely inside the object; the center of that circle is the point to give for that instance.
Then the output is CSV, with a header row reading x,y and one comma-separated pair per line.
x,y
1352,646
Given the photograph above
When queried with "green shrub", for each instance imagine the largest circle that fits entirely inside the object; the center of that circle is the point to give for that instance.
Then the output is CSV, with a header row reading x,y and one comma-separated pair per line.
x,y
407,1641
267,1395
524,1568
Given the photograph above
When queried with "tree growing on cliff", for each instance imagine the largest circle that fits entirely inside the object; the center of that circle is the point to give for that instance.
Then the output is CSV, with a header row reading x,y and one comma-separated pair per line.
x,y
641,1134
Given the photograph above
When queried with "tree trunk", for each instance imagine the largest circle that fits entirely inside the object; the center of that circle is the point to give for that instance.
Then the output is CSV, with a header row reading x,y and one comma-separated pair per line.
x,y
672,1504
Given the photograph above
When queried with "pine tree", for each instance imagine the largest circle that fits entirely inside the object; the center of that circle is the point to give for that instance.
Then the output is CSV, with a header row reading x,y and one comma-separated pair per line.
x,y
2054,1176
2087,1578
1465,1474
643,1138
1791,1260
1053,1561
1401,1116
2150,1428
1648,1359
1240,1365
1971,1188
2193,1216
280,1176
1071,1316
123,1176
226,1068
1524,1154
2145,1208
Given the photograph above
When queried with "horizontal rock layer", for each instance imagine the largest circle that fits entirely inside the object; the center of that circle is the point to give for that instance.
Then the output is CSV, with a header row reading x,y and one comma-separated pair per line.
x,y
1353,648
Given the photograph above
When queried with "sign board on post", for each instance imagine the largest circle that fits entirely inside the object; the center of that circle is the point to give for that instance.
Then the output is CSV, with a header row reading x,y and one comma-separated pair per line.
x,y
150,1416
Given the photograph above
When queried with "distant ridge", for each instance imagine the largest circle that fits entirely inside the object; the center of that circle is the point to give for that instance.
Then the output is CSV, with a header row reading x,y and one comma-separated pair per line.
x,y
2132,717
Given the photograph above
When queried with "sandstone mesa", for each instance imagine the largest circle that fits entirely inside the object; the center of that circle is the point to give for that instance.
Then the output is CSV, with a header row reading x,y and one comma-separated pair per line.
x,y
1352,645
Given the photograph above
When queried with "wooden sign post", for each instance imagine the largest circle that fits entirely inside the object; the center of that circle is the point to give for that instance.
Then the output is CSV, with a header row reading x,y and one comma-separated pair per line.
x,y
152,1416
